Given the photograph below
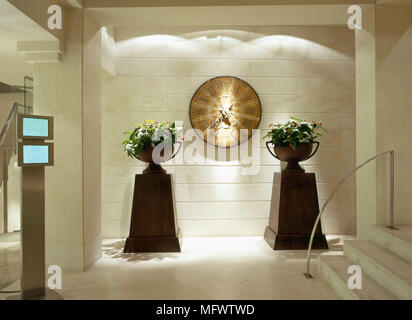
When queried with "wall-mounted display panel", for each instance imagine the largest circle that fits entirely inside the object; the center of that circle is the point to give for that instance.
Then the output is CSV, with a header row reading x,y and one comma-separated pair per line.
x,y
35,127
35,154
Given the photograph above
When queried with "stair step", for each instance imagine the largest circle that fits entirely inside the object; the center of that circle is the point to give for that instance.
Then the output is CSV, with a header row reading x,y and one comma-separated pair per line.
x,y
386,268
397,241
334,269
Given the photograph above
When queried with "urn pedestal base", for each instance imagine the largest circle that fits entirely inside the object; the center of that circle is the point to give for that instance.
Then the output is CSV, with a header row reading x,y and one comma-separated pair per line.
x,y
153,226
153,244
293,241
293,211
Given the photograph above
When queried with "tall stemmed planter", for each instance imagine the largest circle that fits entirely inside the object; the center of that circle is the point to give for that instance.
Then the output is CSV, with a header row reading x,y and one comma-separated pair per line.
x,y
294,204
153,224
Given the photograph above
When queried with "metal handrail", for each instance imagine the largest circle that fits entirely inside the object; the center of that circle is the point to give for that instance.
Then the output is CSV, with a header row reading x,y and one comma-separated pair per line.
x,y
14,110
392,193
8,121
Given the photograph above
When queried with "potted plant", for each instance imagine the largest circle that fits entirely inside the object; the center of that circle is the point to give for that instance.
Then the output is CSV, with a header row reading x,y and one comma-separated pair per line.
x,y
293,141
152,142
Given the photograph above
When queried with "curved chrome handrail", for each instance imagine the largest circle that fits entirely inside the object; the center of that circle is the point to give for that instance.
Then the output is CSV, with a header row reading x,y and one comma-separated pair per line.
x,y
391,223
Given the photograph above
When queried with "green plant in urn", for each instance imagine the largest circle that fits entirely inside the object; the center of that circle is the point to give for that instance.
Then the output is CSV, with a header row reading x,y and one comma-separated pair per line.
x,y
293,141
152,142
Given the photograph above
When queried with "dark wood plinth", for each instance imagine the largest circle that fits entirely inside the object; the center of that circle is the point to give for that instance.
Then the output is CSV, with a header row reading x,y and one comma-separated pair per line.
x,y
153,226
293,211
153,244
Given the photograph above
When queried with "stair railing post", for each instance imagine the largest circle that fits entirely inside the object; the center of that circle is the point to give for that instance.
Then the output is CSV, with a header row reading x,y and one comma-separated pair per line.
x,y
392,190
5,179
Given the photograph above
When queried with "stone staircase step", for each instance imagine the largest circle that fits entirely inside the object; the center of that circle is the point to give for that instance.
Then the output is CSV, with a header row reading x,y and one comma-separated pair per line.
x,y
334,269
397,241
386,268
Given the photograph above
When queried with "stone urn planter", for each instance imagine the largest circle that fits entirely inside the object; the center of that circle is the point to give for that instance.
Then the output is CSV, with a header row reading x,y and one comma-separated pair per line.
x,y
148,156
303,151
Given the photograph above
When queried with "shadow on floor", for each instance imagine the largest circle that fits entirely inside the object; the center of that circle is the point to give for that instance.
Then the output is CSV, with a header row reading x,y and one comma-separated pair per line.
x,y
335,247
114,250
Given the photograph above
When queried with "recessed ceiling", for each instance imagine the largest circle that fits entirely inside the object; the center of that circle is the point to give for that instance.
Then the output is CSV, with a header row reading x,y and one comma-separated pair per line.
x,y
15,26
222,15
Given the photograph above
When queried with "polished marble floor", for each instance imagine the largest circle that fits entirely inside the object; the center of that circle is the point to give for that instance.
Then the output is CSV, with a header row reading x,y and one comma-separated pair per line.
x,y
207,268
9,259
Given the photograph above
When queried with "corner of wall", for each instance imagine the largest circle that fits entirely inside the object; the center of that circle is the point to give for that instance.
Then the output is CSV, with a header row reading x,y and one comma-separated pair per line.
x,y
91,127
366,121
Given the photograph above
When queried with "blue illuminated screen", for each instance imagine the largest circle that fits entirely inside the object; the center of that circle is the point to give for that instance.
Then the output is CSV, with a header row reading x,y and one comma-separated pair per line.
x,y
34,127
35,154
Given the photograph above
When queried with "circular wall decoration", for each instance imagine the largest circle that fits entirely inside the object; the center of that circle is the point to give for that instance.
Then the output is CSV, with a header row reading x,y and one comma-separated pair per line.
x,y
221,107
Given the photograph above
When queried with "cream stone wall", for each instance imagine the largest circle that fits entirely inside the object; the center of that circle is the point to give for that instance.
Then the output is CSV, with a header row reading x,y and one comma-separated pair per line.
x,y
308,72
58,93
70,92
393,107
92,152
107,51
383,64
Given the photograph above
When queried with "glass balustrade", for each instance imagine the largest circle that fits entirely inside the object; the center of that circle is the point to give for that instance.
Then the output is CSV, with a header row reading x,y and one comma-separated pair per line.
x,y
10,194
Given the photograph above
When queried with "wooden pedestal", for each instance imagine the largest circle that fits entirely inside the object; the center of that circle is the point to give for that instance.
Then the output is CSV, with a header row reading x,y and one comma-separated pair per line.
x,y
293,212
153,226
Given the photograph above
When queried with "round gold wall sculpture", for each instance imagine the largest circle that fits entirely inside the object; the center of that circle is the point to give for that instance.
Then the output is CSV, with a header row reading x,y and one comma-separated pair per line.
x,y
221,107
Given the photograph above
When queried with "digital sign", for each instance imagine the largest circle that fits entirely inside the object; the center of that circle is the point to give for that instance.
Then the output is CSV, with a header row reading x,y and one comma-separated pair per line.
x,y
35,127
36,154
